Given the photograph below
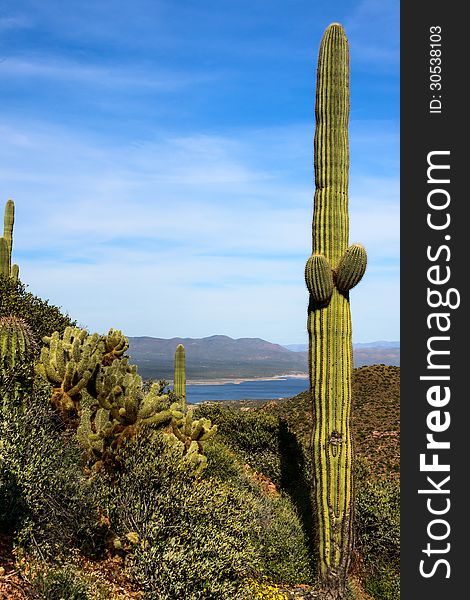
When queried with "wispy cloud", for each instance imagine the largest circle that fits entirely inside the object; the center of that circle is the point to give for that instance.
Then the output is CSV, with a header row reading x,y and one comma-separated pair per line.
x,y
69,71
160,158
374,27
14,22
190,217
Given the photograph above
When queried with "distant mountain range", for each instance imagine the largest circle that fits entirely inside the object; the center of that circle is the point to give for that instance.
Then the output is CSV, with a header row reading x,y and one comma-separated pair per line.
x,y
222,357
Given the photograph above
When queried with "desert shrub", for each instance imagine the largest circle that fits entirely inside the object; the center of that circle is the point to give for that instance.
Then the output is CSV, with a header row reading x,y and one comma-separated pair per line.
x,y
383,585
222,462
378,536
285,548
265,590
194,538
254,435
42,317
286,553
52,505
268,445
58,583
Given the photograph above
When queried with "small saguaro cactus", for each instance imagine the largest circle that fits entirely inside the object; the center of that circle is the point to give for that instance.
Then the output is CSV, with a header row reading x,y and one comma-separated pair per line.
x,y
179,385
331,271
6,243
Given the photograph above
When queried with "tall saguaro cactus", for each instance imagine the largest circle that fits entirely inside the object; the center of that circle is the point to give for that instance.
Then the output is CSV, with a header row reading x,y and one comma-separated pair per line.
x,y
6,243
331,271
179,385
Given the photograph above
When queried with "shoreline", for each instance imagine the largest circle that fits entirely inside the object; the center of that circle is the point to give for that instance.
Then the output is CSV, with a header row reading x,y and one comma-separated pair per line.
x,y
238,380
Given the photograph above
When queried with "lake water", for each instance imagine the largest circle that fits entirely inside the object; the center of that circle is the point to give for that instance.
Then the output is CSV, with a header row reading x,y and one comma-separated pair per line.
x,y
247,390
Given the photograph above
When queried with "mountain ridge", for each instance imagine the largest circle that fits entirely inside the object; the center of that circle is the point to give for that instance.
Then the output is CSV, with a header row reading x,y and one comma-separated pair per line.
x,y
220,356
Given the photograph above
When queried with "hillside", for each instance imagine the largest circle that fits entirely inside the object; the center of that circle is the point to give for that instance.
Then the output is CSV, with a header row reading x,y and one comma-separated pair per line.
x,y
220,356
217,356
375,416
369,353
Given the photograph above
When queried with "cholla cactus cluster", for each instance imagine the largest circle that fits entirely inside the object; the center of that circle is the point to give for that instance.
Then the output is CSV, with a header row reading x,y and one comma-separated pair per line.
x,y
96,390
68,363
191,433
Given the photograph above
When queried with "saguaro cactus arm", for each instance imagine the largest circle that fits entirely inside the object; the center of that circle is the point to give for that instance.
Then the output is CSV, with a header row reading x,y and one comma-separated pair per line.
x,y
351,268
319,278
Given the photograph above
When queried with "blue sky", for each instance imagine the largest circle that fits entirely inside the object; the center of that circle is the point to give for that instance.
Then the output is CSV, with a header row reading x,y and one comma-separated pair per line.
x,y
160,156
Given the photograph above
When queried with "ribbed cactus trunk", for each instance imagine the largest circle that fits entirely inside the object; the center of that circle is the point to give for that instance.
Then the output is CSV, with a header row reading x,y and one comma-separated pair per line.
x,y
179,384
331,271
17,349
6,243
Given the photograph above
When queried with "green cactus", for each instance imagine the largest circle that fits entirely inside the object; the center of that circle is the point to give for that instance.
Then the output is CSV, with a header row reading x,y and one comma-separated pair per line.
x,y
96,390
68,363
17,349
6,243
115,345
179,385
120,411
17,342
115,384
192,433
332,270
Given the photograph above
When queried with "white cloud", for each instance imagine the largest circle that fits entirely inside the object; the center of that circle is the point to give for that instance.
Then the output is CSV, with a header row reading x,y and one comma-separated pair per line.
x,y
14,22
70,71
373,26
194,234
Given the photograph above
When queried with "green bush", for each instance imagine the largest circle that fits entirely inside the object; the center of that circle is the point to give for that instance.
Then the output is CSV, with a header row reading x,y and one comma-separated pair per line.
x,y
254,435
59,583
42,317
267,444
43,492
378,536
383,586
194,538
222,462
11,502
286,553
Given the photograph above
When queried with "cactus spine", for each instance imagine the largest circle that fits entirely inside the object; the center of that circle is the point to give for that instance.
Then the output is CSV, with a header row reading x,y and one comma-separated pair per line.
x,y
179,385
331,271
6,243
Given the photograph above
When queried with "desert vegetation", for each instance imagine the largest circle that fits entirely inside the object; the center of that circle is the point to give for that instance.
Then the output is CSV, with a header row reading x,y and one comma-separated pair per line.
x,y
116,487
92,506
